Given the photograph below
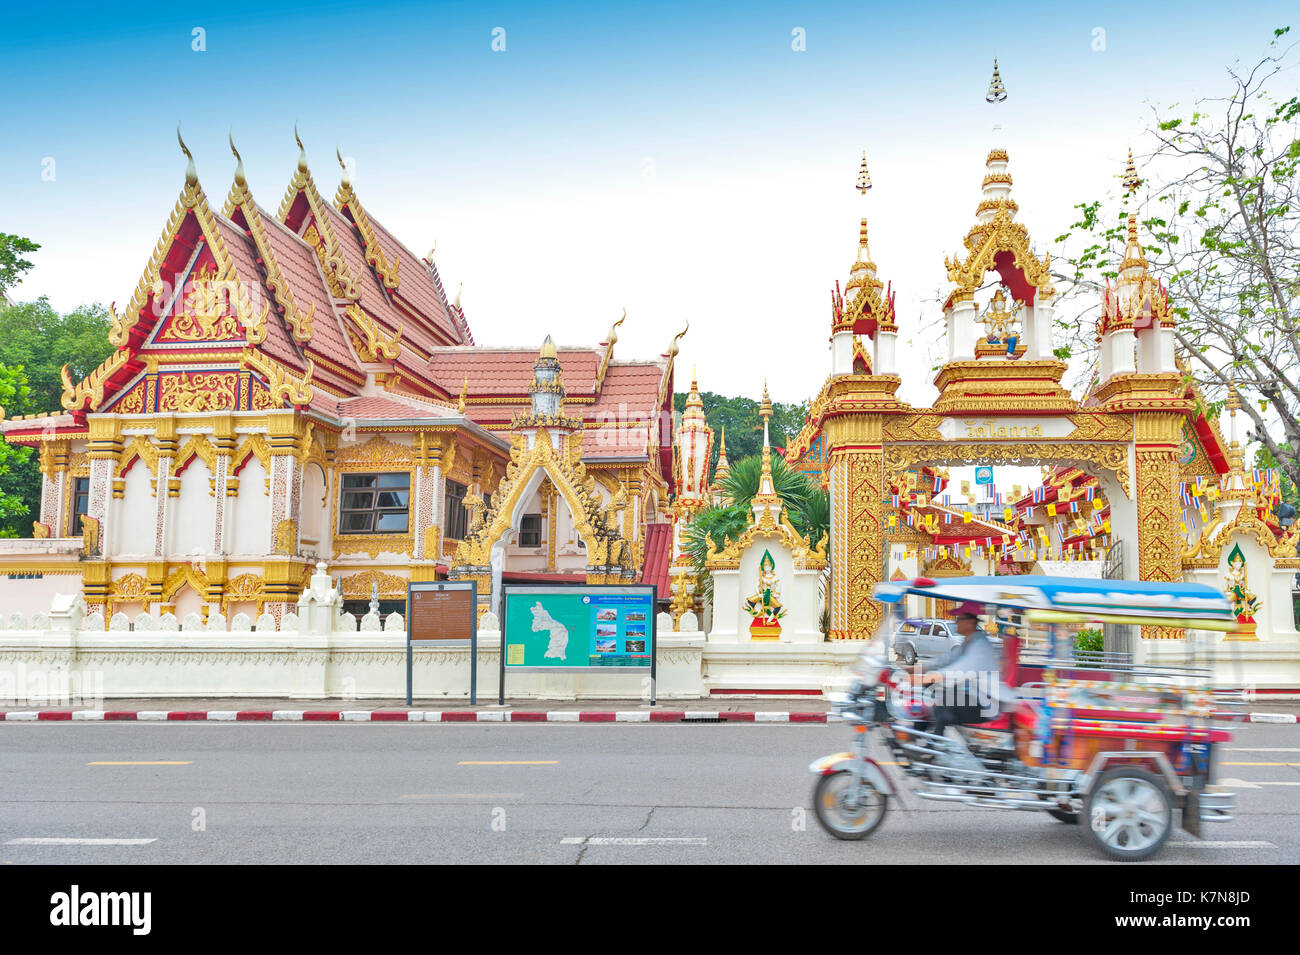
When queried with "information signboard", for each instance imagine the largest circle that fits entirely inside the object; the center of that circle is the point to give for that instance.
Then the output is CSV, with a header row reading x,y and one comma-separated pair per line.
x,y
578,628
443,613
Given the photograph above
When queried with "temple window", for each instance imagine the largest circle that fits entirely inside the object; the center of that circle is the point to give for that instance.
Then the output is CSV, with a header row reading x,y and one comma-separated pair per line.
x,y
375,504
80,504
530,531
457,517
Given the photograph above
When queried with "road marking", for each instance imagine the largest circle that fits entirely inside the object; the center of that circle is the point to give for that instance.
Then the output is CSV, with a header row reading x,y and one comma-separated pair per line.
x,y
634,841
508,762
1262,749
64,841
1244,844
1259,764
1254,783
143,762
462,796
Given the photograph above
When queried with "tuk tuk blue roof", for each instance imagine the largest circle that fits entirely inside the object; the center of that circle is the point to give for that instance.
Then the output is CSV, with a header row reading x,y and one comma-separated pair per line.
x,y
1071,594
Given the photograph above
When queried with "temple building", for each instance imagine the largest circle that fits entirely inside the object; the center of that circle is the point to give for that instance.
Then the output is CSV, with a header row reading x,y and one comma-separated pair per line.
x,y
294,387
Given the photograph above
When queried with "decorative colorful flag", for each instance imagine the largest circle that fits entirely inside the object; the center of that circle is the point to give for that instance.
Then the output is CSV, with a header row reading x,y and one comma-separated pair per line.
x,y
965,517
1051,510
1009,514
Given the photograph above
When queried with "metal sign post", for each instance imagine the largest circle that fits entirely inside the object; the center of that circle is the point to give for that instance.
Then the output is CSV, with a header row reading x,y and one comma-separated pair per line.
x,y
444,612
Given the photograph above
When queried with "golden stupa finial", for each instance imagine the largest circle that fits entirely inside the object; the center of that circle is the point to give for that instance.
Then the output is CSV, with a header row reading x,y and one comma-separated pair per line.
x,y
1131,180
722,445
997,92
464,394
302,150
240,180
344,166
191,174
765,409
864,178
548,349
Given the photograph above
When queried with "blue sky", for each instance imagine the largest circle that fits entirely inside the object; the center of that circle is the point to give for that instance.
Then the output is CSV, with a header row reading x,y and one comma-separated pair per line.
x,y
681,161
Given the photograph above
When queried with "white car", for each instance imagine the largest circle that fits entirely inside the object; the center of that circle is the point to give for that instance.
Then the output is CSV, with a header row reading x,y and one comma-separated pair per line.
x,y
927,638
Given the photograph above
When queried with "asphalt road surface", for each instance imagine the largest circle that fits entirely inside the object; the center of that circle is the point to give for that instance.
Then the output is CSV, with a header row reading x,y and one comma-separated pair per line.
x,y
531,793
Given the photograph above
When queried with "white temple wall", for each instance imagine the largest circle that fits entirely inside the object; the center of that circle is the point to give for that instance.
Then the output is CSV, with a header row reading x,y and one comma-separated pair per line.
x,y
133,530
314,512
799,594
250,516
191,515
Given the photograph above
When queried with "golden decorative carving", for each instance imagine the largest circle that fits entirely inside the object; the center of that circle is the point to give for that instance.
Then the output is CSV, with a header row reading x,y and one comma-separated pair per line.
x,y
373,544
190,392
1159,557
857,475
286,537
377,454
984,242
193,202
132,402
245,587
40,531
360,586
216,309
89,393
373,344
282,385
130,587
1110,457
1093,426
90,536
432,542
196,579
346,201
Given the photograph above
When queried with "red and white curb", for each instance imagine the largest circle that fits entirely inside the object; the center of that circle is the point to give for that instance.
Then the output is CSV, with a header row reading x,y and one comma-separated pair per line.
x,y
420,716
475,716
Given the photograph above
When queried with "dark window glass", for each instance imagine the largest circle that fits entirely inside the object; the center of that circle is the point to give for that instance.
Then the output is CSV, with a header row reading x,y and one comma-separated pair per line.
x,y
365,509
80,504
457,518
530,531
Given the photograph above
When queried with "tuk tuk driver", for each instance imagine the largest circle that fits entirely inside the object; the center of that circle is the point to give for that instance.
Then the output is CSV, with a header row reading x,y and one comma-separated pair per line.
x,y
968,678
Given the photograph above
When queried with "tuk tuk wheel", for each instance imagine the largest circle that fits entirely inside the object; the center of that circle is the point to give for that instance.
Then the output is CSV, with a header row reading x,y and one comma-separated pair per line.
x,y
848,808
1129,813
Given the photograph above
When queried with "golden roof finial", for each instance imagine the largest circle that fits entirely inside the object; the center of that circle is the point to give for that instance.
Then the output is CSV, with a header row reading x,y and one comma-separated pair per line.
x,y
996,92
612,337
302,150
864,179
464,393
673,349
459,289
240,181
722,446
1131,180
191,174
342,165
765,409
548,349
432,249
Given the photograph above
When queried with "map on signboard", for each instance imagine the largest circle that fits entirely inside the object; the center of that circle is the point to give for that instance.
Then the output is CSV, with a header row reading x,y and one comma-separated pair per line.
x,y
575,627
542,620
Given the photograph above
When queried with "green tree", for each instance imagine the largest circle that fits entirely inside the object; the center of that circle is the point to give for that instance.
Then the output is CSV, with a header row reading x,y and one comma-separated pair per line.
x,y
35,343
740,419
1219,216
12,265
14,460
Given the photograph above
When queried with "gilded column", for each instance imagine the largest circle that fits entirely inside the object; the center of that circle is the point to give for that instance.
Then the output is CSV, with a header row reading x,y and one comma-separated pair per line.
x,y
1156,495
549,496
857,488
105,446
286,481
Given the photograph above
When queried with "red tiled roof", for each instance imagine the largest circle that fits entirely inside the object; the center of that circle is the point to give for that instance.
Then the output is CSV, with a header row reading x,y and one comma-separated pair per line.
x,y
392,407
243,253
509,371
658,555
301,270
415,283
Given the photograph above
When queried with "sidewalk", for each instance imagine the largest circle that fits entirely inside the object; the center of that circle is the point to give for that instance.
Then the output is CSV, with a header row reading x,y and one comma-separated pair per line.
x,y
784,709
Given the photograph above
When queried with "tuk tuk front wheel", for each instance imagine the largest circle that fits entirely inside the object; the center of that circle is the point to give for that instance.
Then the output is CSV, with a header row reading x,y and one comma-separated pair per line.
x,y
848,807
1128,813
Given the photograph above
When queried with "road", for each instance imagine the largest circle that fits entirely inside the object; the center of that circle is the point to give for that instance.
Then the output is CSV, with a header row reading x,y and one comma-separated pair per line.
x,y
543,793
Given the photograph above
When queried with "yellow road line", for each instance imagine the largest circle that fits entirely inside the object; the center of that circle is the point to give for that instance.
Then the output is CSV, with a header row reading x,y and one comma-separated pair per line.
x,y
508,762
143,762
